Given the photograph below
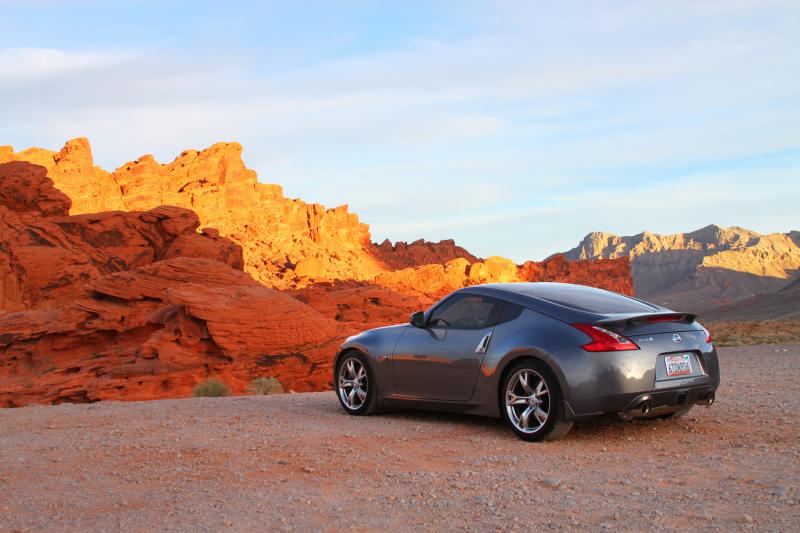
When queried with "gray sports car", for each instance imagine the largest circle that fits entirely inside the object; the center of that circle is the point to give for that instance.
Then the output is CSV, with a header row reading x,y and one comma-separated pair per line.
x,y
541,355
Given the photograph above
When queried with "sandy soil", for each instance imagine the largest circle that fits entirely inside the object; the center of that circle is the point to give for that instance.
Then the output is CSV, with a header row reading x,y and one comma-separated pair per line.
x,y
297,462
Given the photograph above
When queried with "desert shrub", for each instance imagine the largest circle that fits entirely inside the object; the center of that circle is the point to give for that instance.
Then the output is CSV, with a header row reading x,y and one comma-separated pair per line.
x,y
266,386
211,388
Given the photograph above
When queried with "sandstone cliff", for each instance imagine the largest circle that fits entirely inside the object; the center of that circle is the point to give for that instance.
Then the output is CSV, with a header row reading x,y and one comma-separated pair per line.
x,y
712,265
285,242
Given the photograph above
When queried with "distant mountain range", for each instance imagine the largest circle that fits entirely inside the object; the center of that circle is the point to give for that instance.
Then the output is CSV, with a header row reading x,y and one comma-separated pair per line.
x,y
783,304
708,269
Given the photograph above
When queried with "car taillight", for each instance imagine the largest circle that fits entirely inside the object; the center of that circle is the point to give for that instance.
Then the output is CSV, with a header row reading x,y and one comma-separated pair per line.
x,y
604,340
709,340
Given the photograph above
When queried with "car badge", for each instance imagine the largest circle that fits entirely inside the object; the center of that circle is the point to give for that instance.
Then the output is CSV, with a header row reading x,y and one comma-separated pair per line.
x,y
646,339
676,338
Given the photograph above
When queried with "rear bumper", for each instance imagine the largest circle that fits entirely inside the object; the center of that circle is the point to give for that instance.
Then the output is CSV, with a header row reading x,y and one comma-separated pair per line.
x,y
613,382
653,402
662,402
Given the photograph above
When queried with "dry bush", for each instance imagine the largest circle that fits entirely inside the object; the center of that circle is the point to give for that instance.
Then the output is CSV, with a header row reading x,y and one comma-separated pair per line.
x,y
266,386
212,388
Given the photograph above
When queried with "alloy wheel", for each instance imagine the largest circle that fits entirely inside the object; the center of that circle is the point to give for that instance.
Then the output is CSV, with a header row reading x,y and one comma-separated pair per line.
x,y
352,384
527,400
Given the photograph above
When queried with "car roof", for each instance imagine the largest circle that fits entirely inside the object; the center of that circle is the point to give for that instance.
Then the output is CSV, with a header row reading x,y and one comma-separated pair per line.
x,y
566,301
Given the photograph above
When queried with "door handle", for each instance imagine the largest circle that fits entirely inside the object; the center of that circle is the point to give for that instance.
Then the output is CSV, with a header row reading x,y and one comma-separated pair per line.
x,y
484,343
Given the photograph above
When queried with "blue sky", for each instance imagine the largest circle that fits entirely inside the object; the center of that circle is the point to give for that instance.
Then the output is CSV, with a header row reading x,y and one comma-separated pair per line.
x,y
513,127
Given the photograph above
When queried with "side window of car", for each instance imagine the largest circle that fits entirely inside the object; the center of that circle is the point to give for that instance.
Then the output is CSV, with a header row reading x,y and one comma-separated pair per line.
x,y
509,312
466,311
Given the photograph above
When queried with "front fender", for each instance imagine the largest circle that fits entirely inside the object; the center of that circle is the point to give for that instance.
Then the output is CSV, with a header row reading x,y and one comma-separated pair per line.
x,y
374,344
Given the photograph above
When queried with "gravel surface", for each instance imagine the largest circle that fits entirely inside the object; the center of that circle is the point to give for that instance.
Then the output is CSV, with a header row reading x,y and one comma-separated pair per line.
x,y
297,462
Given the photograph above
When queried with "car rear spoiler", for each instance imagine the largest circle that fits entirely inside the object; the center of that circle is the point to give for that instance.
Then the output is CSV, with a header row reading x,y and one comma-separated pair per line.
x,y
647,318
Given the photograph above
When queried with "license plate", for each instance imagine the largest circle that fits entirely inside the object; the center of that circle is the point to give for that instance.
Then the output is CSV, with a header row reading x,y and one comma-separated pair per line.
x,y
678,365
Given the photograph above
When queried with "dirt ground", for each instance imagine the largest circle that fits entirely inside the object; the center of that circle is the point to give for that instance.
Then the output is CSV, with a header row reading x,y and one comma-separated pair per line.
x,y
755,332
297,462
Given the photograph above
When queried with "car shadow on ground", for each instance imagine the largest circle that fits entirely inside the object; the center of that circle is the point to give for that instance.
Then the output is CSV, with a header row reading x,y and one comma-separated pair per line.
x,y
588,430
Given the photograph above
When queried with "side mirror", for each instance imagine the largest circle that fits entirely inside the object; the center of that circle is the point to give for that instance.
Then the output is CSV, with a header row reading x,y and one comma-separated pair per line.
x,y
418,319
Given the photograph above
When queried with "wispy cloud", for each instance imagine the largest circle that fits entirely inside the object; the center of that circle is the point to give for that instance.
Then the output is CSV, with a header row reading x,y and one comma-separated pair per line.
x,y
541,122
24,65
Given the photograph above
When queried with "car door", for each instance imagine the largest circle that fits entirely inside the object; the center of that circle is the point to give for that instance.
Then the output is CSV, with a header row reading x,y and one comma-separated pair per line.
x,y
441,361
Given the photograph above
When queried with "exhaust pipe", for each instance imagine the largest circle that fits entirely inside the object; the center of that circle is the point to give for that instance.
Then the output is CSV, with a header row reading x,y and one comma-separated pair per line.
x,y
643,408
710,399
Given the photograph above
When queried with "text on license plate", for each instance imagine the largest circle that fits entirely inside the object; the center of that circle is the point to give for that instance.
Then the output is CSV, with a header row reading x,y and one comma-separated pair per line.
x,y
678,365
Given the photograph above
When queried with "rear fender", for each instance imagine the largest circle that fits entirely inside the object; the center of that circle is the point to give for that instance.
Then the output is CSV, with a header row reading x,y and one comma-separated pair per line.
x,y
524,353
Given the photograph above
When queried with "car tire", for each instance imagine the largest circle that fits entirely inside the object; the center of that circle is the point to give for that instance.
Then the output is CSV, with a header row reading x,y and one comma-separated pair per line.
x,y
683,411
522,393
348,368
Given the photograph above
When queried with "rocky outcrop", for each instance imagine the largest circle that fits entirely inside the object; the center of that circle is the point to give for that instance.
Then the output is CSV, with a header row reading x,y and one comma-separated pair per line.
x,y
362,305
610,274
25,189
402,255
286,242
435,281
47,256
159,330
710,266
90,188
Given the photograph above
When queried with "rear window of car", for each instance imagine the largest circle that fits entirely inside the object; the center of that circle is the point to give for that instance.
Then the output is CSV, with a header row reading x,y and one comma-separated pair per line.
x,y
590,299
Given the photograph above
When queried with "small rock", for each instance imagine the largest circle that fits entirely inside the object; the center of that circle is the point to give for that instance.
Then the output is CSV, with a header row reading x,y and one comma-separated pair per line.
x,y
779,491
551,482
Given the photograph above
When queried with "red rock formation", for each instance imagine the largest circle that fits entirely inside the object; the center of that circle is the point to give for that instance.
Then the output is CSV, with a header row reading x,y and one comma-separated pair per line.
x,y
286,242
421,252
610,274
363,305
25,188
72,169
435,281
46,257
159,330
